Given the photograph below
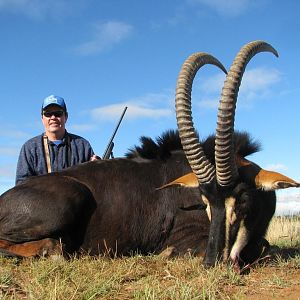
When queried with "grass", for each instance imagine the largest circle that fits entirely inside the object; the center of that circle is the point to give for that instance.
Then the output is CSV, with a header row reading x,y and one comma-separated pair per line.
x,y
154,277
285,231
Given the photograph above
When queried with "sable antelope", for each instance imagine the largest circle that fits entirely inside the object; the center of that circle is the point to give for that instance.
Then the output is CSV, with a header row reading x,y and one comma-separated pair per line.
x,y
239,194
108,206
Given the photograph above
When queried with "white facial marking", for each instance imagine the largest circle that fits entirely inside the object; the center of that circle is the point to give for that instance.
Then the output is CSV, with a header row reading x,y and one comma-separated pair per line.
x,y
240,242
230,219
205,200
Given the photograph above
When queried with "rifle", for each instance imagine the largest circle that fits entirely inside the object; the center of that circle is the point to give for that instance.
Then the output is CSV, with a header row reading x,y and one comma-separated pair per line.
x,y
108,152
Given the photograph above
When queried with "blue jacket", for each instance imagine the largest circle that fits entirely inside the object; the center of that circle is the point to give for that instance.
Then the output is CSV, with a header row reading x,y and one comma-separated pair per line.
x,y
74,150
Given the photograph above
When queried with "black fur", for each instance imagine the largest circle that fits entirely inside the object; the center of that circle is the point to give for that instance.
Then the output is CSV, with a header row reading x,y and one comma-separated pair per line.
x,y
111,205
114,205
243,144
160,149
170,141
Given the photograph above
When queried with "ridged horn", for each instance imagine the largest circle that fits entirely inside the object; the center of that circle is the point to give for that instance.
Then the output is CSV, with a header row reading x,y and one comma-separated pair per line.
x,y
226,168
199,163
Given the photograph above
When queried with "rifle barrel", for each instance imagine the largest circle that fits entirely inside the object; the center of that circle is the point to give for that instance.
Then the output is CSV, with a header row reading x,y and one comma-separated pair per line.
x,y
109,147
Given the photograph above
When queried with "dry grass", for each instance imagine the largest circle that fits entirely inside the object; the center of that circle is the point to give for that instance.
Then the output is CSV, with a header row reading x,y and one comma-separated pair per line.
x,y
153,277
285,231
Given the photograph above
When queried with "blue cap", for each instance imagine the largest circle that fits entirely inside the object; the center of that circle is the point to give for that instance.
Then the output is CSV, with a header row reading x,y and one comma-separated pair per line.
x,y
54,100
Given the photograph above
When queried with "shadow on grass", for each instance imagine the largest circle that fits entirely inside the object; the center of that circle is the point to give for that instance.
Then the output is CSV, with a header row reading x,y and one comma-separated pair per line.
x,y
284,253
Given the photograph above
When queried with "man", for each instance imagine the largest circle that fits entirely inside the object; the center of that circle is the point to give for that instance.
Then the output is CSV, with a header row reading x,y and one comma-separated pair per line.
x,y
55,149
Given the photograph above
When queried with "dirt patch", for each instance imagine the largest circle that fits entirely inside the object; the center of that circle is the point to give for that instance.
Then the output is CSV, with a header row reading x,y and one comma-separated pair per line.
x,y
273,283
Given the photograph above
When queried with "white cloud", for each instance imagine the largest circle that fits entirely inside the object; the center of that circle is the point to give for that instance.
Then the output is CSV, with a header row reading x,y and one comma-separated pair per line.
x,y
207,103
208,91
34,8
277,167
229,8
212,84
134,111
256,84
259,80
105,36
152,105
287,203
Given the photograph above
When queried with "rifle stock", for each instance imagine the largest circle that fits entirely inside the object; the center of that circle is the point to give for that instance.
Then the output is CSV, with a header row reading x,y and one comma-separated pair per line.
x,y
108,151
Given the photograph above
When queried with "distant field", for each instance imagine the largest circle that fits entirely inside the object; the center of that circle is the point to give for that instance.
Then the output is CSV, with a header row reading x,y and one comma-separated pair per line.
x,y
153,277
285,231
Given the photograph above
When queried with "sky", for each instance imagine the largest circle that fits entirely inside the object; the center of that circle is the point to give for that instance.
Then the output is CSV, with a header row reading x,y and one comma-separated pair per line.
x,y
101,56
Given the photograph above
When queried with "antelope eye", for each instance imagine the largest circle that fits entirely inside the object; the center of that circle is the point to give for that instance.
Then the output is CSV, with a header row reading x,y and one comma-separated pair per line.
x,y
245,197
243,204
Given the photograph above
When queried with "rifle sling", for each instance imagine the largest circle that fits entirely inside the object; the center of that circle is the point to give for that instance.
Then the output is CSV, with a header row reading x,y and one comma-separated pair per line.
x,y
47,154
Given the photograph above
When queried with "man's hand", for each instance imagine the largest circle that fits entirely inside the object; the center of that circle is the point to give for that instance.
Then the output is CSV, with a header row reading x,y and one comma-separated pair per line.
x,y
95,157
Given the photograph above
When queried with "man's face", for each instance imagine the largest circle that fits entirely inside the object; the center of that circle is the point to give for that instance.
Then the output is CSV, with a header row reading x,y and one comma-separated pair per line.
x,y
54,119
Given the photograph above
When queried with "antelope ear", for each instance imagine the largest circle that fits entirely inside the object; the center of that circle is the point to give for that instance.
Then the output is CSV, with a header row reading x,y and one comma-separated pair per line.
x,y
188,180
270,181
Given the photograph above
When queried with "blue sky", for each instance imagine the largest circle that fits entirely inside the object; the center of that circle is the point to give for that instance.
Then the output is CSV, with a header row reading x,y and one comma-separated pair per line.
x,y
104,55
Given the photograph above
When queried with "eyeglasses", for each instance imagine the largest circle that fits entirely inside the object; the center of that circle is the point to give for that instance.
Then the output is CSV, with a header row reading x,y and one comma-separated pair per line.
x,y
56,114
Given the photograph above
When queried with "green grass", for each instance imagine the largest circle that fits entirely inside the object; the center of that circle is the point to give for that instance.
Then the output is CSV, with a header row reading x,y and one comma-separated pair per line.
x,y
152,277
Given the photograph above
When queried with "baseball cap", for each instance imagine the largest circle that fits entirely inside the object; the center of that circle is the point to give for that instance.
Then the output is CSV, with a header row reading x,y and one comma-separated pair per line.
x,y
54,100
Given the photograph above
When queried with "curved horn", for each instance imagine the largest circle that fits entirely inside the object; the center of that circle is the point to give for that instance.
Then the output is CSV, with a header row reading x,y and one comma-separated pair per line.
x,y
226,168
200,165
